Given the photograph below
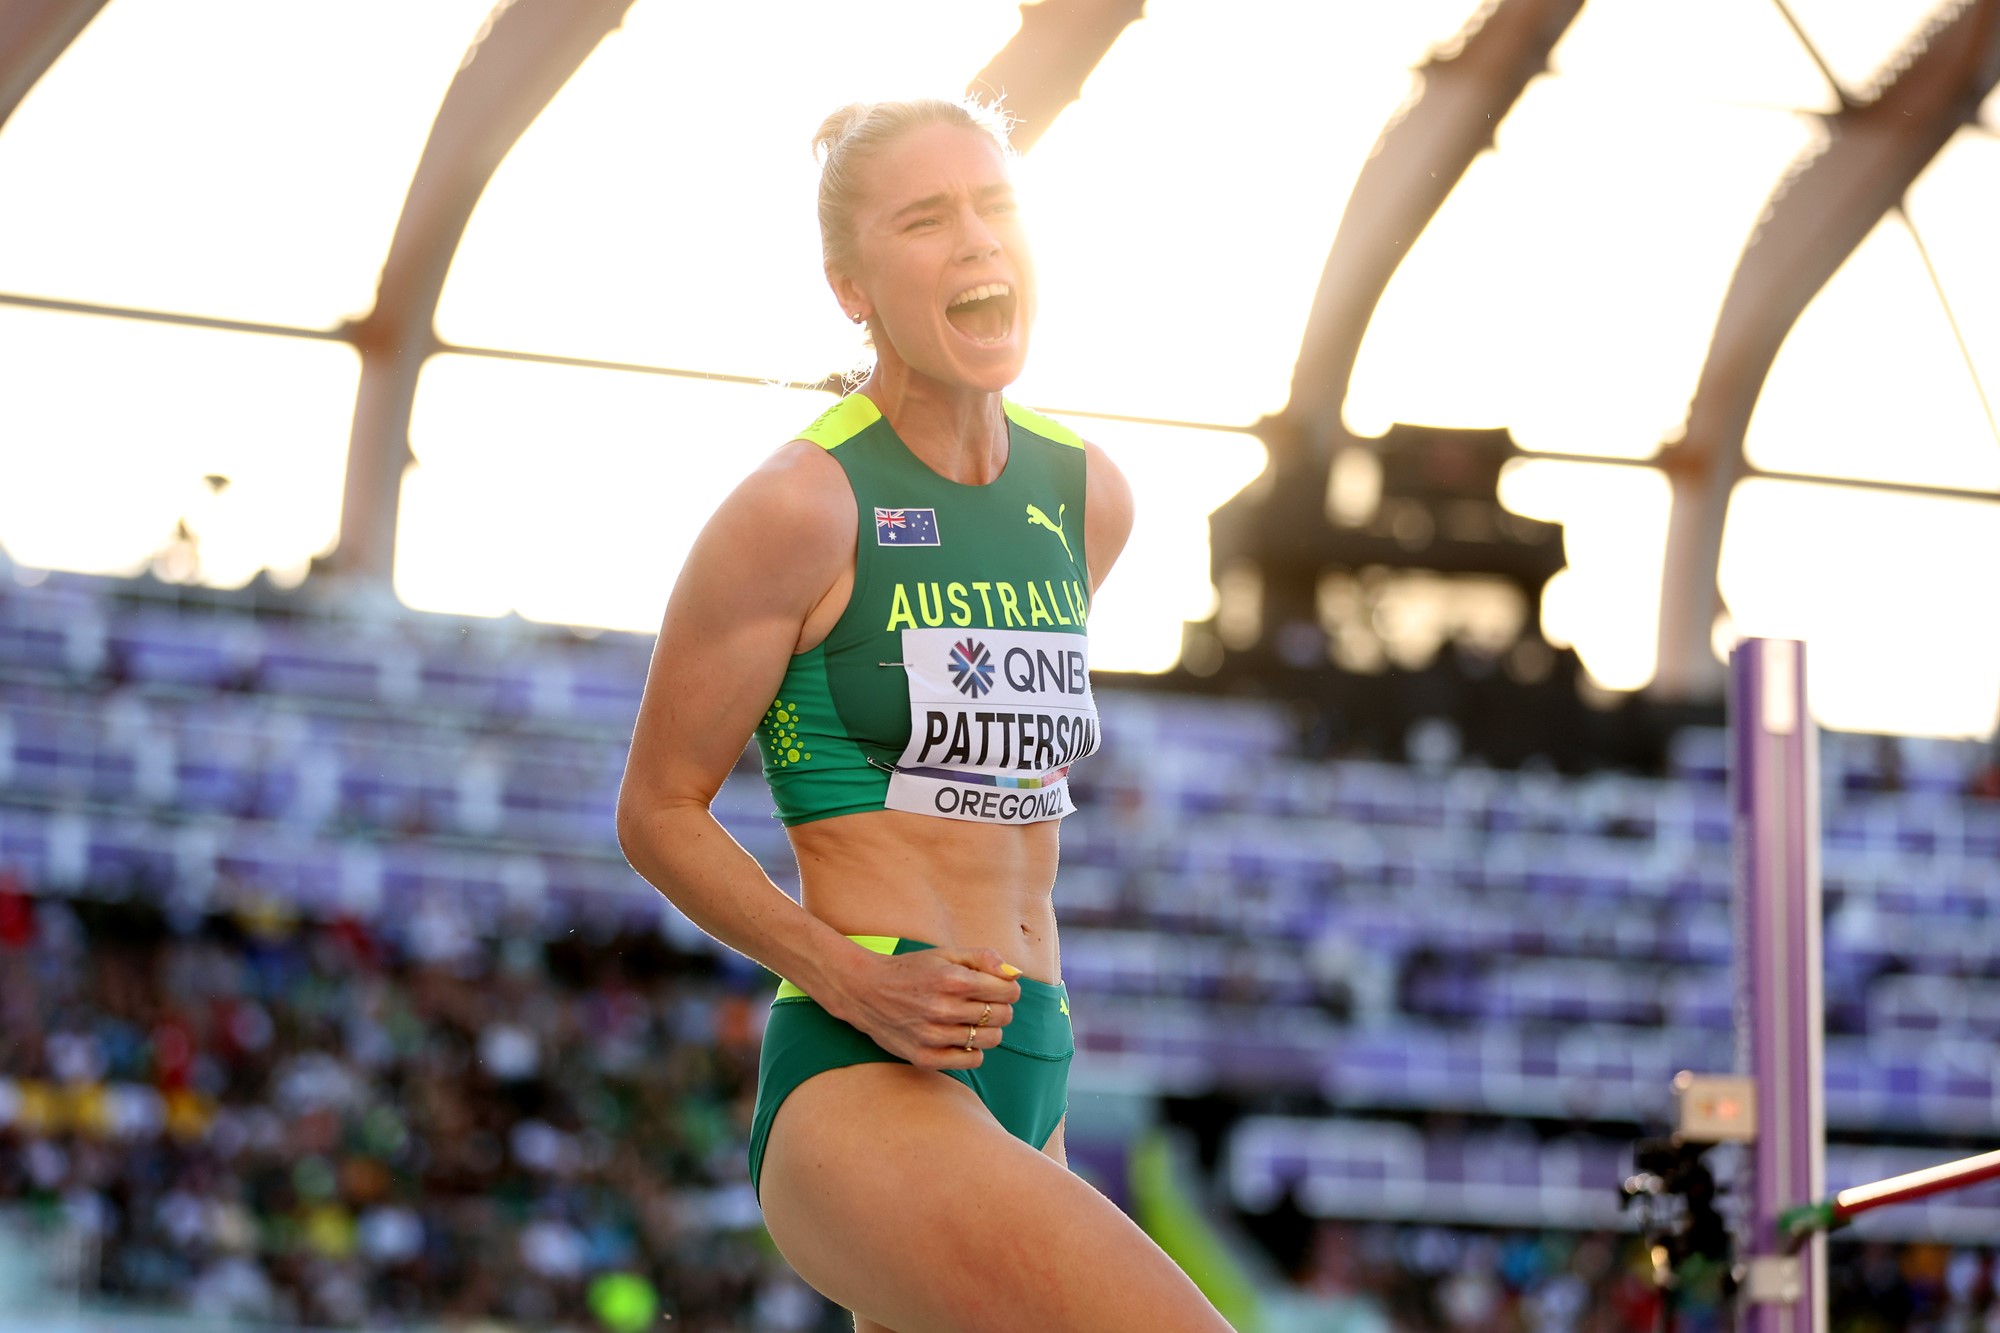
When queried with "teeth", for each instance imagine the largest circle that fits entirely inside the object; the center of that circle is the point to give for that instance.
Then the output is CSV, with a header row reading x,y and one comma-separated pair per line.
x,y
980,294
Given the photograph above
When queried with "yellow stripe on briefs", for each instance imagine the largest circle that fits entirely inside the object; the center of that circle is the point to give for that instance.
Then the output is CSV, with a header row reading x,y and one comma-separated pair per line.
x,y
842,422
872,943
1041,425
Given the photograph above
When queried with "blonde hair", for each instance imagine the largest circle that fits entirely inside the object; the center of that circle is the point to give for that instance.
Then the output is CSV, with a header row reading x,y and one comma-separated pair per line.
x,y
860,130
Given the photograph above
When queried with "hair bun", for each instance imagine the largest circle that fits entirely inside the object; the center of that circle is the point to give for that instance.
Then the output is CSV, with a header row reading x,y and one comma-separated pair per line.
x,y
837,127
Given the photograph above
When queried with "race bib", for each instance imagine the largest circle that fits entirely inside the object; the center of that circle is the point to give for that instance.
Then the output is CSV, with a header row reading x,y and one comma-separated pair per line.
x,y
996,719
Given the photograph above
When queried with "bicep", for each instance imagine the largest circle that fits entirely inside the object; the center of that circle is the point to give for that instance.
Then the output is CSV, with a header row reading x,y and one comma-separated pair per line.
x,y
730,627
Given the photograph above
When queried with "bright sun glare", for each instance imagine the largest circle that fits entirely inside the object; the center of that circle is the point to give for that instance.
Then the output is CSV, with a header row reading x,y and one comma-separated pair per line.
x,y
668,221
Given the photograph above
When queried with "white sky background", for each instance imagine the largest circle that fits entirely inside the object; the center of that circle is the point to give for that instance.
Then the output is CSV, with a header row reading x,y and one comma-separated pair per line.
x,y
107,427
240,159
1566,290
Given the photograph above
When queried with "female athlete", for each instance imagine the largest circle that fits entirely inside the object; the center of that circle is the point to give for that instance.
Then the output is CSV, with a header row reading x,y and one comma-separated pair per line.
x,y
896,603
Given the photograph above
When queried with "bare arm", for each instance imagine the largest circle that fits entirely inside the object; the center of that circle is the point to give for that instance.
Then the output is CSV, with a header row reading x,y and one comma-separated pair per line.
x,y
1108,514
774,551
731,625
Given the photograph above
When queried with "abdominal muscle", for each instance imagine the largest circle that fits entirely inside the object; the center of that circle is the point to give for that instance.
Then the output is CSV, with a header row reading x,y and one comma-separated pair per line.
x,y
943,881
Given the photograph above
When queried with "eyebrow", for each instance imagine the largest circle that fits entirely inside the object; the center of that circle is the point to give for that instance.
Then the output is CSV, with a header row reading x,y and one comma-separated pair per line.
x,y
942,196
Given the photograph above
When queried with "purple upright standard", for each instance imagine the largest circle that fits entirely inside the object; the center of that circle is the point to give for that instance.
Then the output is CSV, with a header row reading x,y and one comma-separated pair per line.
x,y
1774,788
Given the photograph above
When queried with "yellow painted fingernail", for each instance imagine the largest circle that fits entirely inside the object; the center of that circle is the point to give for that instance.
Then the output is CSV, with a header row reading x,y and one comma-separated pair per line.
x,y
1009,971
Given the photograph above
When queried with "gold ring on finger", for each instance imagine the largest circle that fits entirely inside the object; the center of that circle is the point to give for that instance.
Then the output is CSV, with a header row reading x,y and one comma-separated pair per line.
x,y
984,1014
971,1030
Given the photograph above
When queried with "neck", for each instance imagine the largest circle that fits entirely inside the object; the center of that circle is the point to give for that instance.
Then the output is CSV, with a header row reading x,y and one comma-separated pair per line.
x,y
958,432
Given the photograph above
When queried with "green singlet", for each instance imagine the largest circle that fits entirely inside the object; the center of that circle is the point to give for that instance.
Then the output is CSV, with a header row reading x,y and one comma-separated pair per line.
x,y
956,683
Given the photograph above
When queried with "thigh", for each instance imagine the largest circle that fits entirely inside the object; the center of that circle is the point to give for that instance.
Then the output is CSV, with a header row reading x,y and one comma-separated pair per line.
x,y
892,1191
1053,1149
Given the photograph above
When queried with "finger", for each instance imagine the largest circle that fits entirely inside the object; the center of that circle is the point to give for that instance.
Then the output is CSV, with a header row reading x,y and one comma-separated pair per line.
x,y
989,1014
962,1035
950,1057
985,979
988,989
988,961
979,1013
967,982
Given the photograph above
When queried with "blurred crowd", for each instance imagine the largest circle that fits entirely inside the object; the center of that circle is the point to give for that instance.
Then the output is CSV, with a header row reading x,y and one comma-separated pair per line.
x,y
407,1123
1492,1281
260,1117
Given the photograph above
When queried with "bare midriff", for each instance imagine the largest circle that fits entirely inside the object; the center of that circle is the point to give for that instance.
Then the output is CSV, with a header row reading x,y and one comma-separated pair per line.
x,y
945,882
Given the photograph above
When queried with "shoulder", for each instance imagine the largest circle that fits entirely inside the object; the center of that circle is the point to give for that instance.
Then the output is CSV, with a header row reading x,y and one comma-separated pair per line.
x,y
800,487
1109,491
797,493
781,538
1108,512
1047,427
1107,495
1107,487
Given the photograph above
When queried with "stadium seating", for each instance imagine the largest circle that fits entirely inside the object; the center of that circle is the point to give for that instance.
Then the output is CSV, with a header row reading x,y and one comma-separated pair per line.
x,y
374,762
1399,942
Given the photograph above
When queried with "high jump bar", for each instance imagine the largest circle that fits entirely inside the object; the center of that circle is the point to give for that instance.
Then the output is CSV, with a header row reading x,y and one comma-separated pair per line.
x,y
1795,1224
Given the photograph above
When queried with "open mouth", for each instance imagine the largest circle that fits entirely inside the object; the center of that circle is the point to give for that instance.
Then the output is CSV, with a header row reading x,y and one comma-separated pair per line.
x,y
983,314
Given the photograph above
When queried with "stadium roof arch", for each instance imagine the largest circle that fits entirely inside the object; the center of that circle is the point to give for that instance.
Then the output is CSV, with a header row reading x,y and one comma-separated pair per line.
x,y
1722,262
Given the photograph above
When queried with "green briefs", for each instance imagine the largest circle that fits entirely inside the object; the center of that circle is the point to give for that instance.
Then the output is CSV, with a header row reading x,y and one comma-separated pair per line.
x,y
1024,1081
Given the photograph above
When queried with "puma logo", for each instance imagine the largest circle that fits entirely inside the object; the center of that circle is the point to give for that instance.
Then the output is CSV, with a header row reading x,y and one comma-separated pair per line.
x,y
1065,1006
1037,518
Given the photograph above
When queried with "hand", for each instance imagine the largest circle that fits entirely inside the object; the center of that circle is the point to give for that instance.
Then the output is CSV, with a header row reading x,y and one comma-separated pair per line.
x,y
924,1006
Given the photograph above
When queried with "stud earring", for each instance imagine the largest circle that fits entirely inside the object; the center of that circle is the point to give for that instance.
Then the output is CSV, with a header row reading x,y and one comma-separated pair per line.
x,y
858,317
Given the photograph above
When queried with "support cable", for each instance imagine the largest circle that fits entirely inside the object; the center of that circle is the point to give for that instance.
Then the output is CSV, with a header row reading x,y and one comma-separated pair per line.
x,y
1825,70
1951,317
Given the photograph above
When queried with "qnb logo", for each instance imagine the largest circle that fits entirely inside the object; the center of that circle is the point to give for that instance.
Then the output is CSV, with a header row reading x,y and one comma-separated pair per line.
x,y
971,667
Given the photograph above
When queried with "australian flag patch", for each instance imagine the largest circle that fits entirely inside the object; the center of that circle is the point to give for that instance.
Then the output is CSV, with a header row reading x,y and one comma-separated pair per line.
x,y
906,527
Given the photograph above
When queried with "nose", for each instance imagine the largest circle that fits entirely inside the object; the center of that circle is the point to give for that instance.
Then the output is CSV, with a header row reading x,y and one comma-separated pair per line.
x,y
979,242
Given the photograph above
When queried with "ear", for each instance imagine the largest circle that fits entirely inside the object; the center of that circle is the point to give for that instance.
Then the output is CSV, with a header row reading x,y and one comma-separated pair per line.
x,y
848,292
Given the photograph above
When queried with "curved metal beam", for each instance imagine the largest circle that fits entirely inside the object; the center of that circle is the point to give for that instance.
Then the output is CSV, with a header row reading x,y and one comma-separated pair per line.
x,y
33,36
1464,91
523,54
1042,68
1826,204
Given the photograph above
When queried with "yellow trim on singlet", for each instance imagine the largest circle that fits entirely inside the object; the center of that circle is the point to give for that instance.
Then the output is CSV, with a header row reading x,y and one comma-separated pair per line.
x,y
843,421
857,412
1029,419
872,943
